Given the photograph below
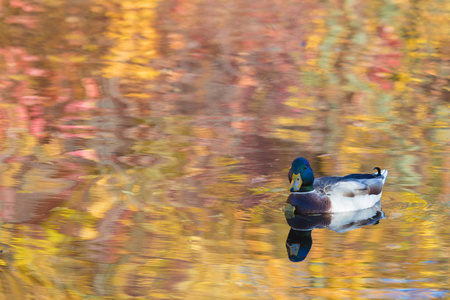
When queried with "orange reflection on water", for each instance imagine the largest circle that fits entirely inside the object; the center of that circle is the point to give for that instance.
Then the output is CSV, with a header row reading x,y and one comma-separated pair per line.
x,y
144,147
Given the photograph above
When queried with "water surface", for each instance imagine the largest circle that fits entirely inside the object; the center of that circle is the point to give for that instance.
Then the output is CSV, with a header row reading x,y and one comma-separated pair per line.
x,y
145,147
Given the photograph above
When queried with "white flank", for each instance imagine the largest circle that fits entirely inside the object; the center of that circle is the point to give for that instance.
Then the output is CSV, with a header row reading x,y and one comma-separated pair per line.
x,y
340,203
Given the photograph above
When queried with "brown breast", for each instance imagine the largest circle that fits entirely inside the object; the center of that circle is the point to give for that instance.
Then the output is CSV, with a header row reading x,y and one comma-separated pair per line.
x,y
305,203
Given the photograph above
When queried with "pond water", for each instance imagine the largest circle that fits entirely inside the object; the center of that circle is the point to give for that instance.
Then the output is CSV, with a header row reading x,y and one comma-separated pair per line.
x,y
145,147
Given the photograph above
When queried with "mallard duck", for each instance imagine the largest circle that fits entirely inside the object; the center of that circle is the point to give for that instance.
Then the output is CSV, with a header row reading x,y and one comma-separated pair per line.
x,y
332,194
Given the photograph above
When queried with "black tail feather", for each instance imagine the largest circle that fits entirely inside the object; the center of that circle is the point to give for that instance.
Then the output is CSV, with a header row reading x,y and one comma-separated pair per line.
x,y
379,171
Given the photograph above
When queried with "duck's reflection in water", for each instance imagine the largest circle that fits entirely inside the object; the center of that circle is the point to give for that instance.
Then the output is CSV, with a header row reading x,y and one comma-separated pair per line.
x,y
299,240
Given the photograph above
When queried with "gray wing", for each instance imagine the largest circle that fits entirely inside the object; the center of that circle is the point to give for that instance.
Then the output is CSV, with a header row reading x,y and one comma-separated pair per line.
x,y
324,184
349,187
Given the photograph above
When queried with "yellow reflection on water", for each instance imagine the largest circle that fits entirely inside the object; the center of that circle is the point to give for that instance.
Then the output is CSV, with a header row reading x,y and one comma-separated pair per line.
x,y
144,147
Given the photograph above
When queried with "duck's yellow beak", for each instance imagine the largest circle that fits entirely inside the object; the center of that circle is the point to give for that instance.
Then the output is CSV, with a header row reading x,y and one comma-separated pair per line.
x,y
296,183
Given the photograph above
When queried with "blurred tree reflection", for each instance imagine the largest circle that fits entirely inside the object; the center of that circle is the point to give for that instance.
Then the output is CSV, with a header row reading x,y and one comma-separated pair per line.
x,y
144,144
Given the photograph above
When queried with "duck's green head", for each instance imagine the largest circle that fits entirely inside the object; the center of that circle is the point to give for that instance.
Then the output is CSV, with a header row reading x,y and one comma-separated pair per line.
x,y
301,176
